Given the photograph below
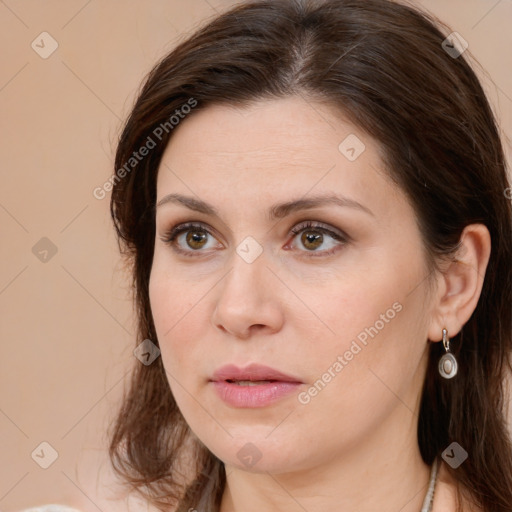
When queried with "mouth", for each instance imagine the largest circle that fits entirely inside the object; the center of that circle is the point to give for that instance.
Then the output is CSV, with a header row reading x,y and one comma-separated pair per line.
x,y
252,374
250,382
252,386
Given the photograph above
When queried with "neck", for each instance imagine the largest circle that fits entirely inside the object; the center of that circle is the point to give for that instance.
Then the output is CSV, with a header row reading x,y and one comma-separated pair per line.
x,y
387,474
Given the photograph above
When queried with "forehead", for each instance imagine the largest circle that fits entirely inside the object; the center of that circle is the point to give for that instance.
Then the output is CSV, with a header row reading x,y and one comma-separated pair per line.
x,y
288,130
272,150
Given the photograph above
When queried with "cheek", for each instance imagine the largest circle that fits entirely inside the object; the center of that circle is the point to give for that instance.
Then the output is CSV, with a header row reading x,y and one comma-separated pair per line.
x,y
376,327
172,311
371,367
180,313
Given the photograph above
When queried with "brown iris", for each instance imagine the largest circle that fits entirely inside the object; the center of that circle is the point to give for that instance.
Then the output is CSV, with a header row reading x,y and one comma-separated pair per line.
x,y
196,237
308,238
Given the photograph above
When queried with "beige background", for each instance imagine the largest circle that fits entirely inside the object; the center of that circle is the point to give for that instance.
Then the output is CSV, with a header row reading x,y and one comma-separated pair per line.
x,y
67,326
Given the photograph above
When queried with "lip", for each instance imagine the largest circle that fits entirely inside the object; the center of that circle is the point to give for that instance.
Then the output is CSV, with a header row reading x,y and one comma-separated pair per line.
x,y
252,372
247,396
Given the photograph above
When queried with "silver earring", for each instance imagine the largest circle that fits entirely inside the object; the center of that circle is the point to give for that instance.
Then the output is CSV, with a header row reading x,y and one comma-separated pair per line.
x,y
447,364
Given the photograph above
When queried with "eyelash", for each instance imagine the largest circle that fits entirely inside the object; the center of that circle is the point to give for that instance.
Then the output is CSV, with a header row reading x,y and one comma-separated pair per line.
x,y
171,235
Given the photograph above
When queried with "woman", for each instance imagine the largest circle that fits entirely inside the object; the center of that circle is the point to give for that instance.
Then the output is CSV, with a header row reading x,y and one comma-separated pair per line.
x,y
314,200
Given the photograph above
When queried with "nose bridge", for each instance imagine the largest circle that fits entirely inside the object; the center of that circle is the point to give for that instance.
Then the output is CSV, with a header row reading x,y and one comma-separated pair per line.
x,y
249,266
246,297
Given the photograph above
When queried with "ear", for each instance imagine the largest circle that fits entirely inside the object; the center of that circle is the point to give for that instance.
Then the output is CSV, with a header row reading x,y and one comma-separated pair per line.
x,y
460,283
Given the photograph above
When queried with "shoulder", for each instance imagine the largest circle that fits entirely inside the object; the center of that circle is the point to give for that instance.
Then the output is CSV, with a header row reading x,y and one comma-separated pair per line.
x,y
53,507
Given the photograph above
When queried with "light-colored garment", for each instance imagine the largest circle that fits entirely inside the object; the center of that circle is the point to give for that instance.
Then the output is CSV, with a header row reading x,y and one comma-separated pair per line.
x,y
53,507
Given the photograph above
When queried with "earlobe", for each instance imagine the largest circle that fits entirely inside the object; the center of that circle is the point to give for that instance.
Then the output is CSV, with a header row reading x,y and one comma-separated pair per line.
x,y
461,283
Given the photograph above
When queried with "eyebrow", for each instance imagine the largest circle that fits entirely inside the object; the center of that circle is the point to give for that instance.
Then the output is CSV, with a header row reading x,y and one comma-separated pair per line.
x,y
276,211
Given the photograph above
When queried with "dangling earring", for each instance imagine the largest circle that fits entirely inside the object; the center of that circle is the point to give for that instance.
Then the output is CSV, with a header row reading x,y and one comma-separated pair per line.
x,y
447,364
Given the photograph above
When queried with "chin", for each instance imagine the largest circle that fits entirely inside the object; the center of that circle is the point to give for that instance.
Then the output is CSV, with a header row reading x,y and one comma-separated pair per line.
x,y
259,455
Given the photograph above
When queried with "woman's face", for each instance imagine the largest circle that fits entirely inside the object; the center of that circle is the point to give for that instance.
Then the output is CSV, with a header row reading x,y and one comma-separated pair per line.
x,y
340,307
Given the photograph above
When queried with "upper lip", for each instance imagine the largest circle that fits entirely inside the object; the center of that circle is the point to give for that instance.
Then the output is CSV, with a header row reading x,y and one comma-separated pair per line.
x,y
251,372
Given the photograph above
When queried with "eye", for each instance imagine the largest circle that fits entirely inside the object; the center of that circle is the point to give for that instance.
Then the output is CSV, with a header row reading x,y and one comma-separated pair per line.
x,y
195,236
313,236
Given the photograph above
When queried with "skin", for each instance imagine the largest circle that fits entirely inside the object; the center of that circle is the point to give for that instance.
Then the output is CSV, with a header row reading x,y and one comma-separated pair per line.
x,y
353,446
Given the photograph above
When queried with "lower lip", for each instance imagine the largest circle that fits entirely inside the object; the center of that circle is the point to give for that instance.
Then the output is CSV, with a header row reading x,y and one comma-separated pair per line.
x,y
259,395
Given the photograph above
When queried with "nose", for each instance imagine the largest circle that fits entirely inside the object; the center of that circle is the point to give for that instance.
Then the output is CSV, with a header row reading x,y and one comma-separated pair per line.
x,y
248,299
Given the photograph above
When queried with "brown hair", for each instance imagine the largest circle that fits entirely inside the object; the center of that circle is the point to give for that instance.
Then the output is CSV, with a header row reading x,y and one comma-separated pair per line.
x,y
383,65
